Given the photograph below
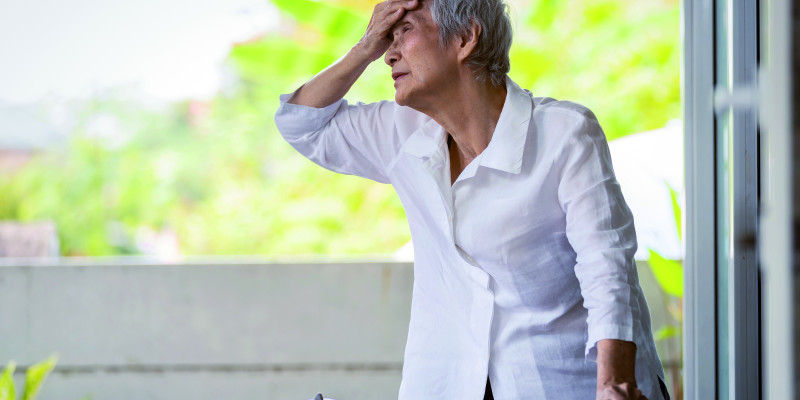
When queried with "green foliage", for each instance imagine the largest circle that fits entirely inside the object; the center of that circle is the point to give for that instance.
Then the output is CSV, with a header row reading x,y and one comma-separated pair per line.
x,y
219,175
619,58
668,273
676,211
667,332
7,390
34,378
337,27
224,185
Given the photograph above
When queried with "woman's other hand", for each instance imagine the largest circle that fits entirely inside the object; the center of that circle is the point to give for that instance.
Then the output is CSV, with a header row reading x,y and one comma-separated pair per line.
x,y
619,391
378,37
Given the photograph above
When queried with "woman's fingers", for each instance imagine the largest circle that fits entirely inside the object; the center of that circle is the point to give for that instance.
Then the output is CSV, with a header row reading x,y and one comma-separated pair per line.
x,y
622,391
377,38
391,6
393,11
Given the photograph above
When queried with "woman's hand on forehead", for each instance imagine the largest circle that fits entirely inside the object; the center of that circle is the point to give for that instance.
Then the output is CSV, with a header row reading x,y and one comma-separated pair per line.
x,y
377,38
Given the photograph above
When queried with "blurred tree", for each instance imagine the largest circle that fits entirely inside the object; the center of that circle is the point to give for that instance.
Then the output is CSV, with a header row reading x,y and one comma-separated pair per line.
x,y
219,176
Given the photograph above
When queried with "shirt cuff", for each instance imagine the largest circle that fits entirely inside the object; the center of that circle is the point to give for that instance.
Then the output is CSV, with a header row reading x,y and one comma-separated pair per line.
x,y
596,334
299,118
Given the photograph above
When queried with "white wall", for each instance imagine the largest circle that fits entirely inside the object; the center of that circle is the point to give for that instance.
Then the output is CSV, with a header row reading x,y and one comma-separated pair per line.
x,y
277,331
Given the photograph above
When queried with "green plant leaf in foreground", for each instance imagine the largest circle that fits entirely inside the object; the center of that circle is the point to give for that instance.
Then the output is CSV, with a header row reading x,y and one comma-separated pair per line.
x,y
7,391
668,273
34,378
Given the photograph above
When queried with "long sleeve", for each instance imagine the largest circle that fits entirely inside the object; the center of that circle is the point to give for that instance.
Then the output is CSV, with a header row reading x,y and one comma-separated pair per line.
x,y
356,139
601,231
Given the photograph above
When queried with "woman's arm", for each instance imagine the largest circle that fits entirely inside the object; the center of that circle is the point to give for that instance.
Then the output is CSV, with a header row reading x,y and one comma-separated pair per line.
x,y
332,84
359,139
600,229
616,377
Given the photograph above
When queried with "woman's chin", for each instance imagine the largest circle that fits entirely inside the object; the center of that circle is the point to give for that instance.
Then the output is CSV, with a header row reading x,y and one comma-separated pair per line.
x,y
400,98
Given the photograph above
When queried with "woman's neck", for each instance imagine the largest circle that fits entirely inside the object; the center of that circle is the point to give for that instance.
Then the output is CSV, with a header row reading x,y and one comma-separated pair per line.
x,y
469,112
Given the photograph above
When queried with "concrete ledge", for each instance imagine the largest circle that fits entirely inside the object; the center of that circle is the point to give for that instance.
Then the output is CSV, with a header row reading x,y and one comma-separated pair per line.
x,y
290,385
187,330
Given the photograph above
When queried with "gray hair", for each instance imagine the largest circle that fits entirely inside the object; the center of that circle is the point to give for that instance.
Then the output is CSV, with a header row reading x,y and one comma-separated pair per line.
x,y
489,60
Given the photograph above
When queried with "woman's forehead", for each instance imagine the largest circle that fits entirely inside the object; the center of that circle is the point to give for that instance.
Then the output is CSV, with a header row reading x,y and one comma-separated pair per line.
x,y
417,15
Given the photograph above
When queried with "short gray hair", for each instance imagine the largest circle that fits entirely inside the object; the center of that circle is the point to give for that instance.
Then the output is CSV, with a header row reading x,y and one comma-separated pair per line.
x,y
489,60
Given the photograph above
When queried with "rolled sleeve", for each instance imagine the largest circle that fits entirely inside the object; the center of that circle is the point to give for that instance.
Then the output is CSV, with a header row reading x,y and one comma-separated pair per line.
x,y
599,226
356,139
295,120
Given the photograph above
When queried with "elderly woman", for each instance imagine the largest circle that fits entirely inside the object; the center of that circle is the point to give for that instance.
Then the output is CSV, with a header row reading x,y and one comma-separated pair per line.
x,y
524,281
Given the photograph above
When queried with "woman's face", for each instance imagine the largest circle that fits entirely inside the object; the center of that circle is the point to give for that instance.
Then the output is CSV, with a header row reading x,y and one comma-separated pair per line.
x,y
420,66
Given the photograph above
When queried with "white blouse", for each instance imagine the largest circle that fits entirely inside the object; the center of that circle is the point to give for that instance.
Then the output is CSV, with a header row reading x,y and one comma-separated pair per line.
x,y
521,266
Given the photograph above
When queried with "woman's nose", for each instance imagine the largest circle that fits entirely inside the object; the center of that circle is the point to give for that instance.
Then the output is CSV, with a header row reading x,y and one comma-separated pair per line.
x,y
392,55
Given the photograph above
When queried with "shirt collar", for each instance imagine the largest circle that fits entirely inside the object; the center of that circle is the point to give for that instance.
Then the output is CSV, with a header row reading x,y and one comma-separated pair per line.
x,y
426,140
506,147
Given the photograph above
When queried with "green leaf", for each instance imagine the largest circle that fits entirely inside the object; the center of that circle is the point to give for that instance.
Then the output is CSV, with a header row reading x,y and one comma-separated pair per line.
x,y
335,24
262,61
676,209
7,391
668,273
668,332
323,34
34,378
325,14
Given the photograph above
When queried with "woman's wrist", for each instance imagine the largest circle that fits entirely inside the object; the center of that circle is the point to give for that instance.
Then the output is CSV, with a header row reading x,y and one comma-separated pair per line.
x,y
360,55
616,361
616,370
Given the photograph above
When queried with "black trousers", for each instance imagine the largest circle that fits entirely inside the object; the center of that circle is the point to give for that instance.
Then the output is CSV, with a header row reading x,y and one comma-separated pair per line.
x,y
488,394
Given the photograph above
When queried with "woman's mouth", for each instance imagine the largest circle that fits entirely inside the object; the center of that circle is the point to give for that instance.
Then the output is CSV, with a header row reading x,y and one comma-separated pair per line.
x,y
398,75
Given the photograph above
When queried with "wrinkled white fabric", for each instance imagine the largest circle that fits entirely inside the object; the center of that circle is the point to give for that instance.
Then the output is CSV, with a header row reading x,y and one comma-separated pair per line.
x,y
521,265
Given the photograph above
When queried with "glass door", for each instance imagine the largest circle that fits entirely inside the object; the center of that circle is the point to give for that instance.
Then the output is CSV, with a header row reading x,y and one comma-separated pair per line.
x,y
737,198
723,304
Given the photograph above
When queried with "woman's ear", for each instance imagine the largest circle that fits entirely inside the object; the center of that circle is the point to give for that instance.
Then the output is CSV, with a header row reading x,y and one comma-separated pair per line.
x,y
468,40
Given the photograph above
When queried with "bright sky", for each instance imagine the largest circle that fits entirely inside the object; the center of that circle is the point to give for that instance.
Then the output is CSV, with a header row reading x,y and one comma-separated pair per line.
x,y
170,49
